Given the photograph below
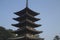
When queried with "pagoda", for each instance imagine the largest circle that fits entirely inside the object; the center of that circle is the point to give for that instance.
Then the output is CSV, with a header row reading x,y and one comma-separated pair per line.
x,y
26,25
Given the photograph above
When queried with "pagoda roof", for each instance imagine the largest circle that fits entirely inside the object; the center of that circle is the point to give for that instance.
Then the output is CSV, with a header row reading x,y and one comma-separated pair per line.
x,y
25,10
27,30
17,37
28,16
26,38
26,23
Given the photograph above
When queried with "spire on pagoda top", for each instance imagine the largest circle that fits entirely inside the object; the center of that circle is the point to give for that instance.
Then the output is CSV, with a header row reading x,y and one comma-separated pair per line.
x,y
26,3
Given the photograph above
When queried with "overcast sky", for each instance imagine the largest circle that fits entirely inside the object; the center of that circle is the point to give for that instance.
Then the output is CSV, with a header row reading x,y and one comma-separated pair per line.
x,y
49,13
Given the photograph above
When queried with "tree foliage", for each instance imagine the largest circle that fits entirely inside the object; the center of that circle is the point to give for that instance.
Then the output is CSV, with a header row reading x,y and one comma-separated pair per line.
x,y
5,34
56,37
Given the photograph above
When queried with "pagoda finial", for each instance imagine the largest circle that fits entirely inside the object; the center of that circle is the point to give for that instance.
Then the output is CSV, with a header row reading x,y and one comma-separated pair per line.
x,y
26,3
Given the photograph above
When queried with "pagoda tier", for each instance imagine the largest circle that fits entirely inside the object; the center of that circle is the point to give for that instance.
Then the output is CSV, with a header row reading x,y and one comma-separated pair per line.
x,y
27,30
27,37
22,12
24,17
26,23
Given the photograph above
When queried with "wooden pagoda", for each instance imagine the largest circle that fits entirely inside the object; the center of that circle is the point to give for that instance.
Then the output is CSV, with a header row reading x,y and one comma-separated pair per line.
x,y
26,25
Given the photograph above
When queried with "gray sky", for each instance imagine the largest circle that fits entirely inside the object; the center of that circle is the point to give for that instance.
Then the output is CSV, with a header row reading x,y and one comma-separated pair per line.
x,y
49,13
